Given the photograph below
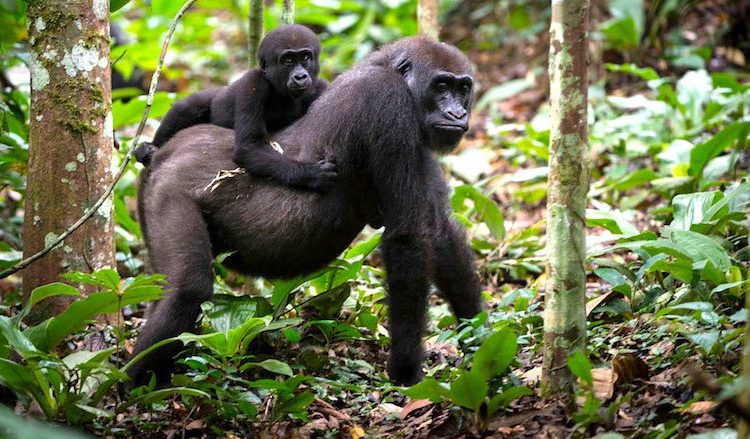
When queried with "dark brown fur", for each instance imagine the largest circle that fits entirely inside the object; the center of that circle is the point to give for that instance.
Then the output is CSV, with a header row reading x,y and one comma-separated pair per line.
x,y
377,122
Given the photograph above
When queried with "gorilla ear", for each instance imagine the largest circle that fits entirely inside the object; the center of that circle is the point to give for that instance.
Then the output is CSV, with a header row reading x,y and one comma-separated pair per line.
x,y
403,65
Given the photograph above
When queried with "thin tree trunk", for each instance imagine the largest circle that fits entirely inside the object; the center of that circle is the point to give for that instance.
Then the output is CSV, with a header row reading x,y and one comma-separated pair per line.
x,y
564,314
287,12
743,427
428,12
255,32
70,141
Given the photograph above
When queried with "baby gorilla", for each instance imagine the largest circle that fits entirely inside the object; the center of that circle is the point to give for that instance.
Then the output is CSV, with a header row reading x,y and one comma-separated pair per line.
x,y
262,101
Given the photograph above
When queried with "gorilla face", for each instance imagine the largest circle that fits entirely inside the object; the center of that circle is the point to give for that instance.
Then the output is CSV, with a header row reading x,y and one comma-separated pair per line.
x,y
443,91
447,100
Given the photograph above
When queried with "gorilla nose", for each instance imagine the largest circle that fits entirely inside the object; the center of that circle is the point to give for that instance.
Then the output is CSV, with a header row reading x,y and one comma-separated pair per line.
x,y
301,77
457,114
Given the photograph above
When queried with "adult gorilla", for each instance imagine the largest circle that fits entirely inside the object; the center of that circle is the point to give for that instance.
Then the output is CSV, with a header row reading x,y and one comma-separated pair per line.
x,y
381,123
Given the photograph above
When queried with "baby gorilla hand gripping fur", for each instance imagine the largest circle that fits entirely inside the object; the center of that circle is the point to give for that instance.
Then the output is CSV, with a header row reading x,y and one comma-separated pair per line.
x,y
263,100
382,122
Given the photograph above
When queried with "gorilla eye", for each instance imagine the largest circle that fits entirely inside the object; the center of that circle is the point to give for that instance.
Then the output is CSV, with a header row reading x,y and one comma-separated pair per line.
x,y
287,60
441,86
306,57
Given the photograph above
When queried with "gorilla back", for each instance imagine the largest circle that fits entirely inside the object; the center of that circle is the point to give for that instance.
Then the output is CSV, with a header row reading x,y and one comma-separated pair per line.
x,y
380,124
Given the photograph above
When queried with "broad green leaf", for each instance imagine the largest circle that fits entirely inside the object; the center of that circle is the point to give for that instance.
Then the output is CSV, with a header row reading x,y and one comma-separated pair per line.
x,y
701,248
487,211
51,290
705,340
692,209
228,312
295,406
15,376
726,286
634,179
506,396
646,73
95,358
15,338
272,365
48,334
115,5
495,354
363,248
580,366
469,390
621,33
428,388
20,428
703,153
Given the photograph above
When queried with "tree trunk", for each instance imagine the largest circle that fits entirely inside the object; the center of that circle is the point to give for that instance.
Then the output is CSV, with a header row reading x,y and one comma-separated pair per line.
x,y
564,299
743,427
287,12
428,12
70,141
255,31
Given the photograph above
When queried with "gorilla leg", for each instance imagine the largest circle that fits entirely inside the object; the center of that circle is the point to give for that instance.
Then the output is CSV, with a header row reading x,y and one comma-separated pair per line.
x,y
180,248
193,110
408,288
453,265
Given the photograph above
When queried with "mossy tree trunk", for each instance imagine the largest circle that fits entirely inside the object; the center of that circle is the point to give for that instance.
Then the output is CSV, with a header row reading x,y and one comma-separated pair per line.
x,y
287,12
428,12
564,313
70,141
255,31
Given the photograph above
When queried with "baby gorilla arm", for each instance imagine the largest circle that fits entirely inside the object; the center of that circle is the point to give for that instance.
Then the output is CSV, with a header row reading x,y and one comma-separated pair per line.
x,y
251,150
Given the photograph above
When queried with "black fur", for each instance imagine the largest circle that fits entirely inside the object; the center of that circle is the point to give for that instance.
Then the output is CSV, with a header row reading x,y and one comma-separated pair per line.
x,y
382,123
262,101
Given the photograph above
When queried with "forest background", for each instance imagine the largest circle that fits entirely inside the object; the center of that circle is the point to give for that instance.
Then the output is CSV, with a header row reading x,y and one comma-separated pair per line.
x,y
667,242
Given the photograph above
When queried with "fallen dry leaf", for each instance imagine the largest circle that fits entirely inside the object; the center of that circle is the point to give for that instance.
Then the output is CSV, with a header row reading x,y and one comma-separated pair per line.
x,y
532,376
604,382
701,407
198,424
414,405
593,303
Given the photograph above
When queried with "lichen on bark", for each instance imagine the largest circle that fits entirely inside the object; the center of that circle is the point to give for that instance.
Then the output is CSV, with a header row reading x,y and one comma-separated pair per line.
x,y
70,140
564,314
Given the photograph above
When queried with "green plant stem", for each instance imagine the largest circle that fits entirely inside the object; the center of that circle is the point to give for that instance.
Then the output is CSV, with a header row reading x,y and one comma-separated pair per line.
x,y
255,30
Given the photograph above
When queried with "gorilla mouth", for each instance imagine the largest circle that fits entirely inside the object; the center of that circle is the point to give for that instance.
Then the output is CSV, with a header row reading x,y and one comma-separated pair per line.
x,y
451,127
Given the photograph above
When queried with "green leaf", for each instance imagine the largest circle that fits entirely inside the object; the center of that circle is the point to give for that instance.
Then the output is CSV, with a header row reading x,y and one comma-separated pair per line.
x,y
275,366
580,366
15,376
469,390
51,290
495,354
704,340
19,428
692,209
487,211
621,33
228,312
295,406
115,5
428,388
15,338
634,179
48,334
703,153
506,396
702,248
